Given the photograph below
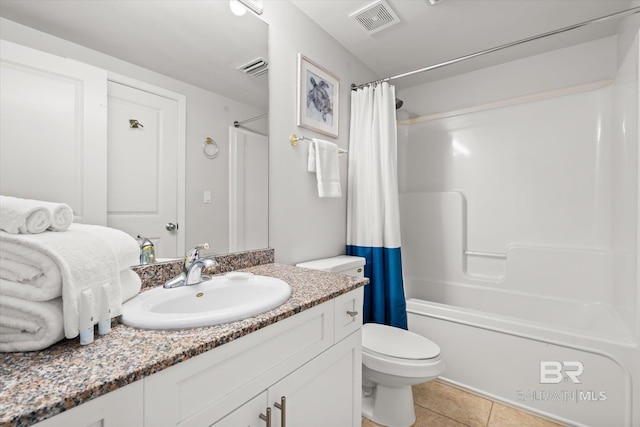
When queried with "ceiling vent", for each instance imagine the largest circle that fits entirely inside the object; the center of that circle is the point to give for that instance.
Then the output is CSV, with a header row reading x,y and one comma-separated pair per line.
x,y
376,16
255,68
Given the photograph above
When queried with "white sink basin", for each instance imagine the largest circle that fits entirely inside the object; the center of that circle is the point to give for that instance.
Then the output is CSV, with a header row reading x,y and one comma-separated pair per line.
x,y
218,300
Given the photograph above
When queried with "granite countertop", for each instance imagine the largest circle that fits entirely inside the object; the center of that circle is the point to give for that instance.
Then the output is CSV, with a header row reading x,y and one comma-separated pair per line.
x,y
37,385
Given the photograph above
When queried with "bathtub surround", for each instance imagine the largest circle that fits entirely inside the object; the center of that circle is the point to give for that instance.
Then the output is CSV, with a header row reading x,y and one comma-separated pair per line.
x,y
373,227
519,226
76,374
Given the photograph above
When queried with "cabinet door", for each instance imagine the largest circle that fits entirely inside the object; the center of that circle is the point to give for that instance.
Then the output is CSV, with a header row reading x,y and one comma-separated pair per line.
x,y
118,408
324,392
248,415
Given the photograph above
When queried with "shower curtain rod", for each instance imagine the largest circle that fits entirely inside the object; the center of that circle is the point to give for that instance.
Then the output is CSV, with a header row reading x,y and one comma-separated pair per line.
x,y
237,123
606,18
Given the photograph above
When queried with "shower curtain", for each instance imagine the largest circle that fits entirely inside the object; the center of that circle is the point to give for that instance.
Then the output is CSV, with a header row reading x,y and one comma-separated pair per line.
x,y
373,218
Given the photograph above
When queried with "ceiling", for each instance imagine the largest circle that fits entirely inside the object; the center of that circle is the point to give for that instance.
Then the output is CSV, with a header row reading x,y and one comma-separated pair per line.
x,y
196,41
160,35
430,34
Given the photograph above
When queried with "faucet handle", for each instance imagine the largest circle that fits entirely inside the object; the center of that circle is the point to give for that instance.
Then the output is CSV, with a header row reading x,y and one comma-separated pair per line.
x,y
193,254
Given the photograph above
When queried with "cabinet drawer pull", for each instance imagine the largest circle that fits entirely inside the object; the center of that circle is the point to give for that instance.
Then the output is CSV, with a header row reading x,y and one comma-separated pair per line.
x,y
352,313
267,417
283,408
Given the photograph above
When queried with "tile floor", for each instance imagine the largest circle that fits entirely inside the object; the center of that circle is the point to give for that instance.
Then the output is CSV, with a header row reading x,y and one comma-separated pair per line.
x,y
440,405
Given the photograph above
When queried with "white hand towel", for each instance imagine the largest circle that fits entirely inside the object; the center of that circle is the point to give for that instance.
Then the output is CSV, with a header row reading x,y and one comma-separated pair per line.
x,y
29,325
87,256
23,216
327,167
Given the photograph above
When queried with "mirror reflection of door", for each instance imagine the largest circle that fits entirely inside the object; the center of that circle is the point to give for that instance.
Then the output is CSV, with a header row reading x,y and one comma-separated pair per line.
x,y
142,171
52,131
248,190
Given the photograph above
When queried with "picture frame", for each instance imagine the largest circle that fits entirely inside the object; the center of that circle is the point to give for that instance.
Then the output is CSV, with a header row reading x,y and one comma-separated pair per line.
x,y
318,97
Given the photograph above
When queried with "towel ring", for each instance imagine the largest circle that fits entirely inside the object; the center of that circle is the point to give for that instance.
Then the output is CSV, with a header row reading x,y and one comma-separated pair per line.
x,y
210,148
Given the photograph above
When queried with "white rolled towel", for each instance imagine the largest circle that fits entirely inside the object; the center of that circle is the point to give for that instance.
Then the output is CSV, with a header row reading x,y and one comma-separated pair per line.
x,y
27,216
22,216
29,325
61,215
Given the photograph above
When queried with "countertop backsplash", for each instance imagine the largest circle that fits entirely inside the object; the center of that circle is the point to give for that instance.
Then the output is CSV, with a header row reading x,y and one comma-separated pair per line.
x,y
153,275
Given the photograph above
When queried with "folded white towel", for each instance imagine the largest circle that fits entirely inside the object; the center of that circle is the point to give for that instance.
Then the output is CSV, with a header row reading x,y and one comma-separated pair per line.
x,y
87,257
323,160
23,216
29,325
29,273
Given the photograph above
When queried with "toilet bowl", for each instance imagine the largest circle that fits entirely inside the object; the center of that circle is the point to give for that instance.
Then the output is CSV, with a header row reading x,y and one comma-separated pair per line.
x,y
392,359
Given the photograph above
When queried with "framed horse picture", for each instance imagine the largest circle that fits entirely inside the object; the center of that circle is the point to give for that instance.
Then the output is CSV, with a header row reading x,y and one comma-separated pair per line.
x,y
318,97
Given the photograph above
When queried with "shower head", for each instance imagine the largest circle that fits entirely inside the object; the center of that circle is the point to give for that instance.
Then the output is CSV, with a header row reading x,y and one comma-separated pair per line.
x,y
399,103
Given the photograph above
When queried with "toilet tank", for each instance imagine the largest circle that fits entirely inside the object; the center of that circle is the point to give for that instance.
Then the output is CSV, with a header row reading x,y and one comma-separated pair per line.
x,y
345,264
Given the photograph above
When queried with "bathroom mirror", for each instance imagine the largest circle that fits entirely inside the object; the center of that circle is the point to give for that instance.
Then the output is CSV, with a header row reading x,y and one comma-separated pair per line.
x,y
208,50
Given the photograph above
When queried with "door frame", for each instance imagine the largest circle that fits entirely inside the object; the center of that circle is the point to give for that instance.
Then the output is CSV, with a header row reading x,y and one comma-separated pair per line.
x,y
181,154
233,183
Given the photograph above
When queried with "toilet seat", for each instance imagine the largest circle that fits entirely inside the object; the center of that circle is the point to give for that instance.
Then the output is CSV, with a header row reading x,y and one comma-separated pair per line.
x,y
397,343
394,351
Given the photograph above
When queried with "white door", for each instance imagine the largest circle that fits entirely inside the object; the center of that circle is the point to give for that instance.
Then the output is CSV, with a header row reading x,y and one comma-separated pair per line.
x,y
53,140
142,166
248,190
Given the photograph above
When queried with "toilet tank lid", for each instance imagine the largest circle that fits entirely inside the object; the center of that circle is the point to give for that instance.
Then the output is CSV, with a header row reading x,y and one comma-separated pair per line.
x,y
334,264
398,343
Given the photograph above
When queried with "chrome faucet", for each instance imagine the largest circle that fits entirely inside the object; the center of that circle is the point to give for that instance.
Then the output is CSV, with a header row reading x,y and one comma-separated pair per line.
x,y
192,271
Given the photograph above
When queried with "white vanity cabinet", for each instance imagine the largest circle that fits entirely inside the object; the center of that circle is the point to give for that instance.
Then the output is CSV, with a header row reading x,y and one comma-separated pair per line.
x,y
308,359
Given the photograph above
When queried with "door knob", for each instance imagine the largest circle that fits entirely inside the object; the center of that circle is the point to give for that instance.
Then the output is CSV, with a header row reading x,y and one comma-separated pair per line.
x,y
171,226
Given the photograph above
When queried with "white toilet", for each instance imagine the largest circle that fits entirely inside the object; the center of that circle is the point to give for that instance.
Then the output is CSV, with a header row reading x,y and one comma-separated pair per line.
x,y
392,359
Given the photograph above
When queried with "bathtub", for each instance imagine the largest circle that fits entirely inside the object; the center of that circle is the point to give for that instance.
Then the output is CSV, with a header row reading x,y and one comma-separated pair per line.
x,y
529,361
520,232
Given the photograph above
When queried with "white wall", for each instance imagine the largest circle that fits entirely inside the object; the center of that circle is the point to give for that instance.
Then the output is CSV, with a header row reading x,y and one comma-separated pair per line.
x,y
208,114
561,68
301,225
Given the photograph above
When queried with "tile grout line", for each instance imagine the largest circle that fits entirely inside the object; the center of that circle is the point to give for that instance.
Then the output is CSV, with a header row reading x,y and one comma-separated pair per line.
x,y
442,415
490,411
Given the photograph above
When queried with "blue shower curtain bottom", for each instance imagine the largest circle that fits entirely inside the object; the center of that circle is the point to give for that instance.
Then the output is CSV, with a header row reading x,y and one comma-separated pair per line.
x,y
384,299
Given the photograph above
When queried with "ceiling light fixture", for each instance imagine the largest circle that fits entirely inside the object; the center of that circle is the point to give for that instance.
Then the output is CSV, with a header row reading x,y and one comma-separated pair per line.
x,y
237,8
